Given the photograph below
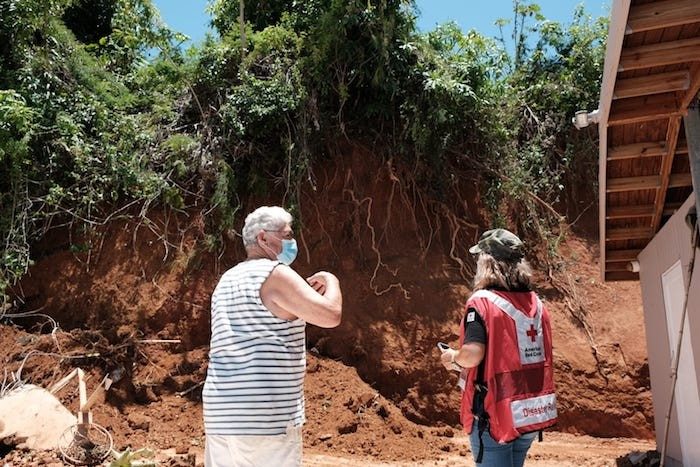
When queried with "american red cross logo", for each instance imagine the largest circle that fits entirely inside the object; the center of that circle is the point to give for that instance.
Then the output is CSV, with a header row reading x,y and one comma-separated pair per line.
x,y
532,333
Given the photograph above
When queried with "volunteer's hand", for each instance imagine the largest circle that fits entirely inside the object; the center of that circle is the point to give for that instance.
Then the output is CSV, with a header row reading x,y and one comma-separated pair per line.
x,y
447,358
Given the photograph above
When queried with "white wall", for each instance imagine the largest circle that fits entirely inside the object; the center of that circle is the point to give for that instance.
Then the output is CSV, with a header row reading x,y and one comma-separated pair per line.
x,y
661,286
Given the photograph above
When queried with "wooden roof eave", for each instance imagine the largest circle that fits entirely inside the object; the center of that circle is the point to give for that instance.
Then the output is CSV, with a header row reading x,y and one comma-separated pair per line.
x,y
616,36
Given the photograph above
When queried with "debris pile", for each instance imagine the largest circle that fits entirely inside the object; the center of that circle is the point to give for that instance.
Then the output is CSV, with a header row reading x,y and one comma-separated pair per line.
x,y
640,459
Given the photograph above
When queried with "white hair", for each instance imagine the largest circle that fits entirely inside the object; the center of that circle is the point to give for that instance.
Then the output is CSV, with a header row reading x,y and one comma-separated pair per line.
x,y
264,218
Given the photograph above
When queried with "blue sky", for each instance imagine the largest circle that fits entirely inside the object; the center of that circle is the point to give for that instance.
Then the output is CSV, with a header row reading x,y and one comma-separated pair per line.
x,y
190,17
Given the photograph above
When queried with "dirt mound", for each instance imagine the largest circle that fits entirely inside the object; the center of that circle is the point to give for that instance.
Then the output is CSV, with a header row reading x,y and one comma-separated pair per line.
x,y
404,284
349,423
347,416
161,406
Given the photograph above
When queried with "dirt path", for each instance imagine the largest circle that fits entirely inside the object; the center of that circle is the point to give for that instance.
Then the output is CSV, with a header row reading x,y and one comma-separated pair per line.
x,y
557,450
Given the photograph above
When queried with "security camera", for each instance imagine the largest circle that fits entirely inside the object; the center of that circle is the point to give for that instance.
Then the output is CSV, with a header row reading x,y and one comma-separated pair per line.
x,y
583,118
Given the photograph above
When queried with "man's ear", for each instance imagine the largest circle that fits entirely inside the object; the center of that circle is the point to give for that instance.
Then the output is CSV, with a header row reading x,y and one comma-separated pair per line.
x,y
261,237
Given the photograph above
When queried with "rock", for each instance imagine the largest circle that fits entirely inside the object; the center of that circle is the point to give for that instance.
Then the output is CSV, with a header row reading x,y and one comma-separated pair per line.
x,y
313,367
325,436
446,432
138,421
34,413
366,398
350,427
636,457
145,395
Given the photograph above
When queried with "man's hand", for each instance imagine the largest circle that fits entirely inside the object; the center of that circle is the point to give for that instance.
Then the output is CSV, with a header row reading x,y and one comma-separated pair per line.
x,y
320,281
317,300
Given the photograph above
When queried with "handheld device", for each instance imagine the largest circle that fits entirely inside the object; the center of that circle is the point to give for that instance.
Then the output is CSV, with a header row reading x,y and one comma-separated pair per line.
x,y
442,346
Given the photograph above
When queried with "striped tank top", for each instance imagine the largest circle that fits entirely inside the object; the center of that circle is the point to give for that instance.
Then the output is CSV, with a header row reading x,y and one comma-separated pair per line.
x,y
257,361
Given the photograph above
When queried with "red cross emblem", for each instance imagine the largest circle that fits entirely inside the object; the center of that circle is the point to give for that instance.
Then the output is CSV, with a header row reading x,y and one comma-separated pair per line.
x,y
532,333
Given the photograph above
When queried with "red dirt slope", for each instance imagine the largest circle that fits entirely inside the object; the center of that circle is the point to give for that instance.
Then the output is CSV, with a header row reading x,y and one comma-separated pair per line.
x,y
398,259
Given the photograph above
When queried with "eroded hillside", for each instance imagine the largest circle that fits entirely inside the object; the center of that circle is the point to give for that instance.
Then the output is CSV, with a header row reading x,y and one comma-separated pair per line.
x,y
405,278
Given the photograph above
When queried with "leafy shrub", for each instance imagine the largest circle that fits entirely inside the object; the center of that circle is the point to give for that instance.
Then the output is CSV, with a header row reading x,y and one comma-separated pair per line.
x,y
89,122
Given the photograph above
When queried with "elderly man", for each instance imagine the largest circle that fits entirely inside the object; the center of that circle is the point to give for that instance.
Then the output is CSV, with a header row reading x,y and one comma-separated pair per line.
x,y
254,391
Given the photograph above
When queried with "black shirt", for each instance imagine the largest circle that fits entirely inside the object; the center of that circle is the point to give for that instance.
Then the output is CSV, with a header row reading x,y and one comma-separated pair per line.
x,y
474,330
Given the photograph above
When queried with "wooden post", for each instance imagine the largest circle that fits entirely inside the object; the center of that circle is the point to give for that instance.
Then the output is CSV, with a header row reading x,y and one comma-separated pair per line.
x,y
84,418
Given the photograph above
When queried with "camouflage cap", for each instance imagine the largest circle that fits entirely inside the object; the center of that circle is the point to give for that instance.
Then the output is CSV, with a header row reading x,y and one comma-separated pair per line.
x,y
499,243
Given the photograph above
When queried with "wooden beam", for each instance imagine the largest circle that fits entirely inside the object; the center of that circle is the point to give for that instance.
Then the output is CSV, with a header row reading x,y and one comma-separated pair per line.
x,y
621,255
660,54
680,180
637,150
643,108
628,233
616,36
646,210
642,150
621,276
627,212
659,15
646,182
104,384
62,383
693,88
85,407
674,125
652,84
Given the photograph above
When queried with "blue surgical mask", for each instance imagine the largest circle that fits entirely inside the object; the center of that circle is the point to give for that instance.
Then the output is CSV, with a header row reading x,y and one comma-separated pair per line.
x,y
289,252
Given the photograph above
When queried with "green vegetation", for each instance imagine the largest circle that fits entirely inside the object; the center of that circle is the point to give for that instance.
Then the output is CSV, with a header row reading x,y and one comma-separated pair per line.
x,y
90,128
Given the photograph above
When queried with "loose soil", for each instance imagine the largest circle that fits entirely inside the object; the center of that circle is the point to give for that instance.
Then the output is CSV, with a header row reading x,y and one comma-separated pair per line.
x,y
376,393
348,424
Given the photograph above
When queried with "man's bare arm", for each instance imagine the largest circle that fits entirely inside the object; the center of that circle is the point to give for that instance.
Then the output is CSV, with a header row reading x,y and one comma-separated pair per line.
x,y
288,296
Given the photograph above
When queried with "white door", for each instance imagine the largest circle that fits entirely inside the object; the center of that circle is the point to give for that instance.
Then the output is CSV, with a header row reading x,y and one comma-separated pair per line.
x,y
687,400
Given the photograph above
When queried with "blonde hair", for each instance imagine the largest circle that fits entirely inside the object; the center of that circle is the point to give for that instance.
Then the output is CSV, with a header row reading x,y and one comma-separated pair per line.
x,y
507,275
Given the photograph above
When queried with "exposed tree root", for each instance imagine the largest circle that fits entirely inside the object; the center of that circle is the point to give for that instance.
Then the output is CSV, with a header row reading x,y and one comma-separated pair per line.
x,y
576,308
380,263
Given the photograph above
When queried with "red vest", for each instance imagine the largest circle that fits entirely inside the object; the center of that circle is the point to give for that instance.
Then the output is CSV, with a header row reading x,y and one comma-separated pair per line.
x,y
518,369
